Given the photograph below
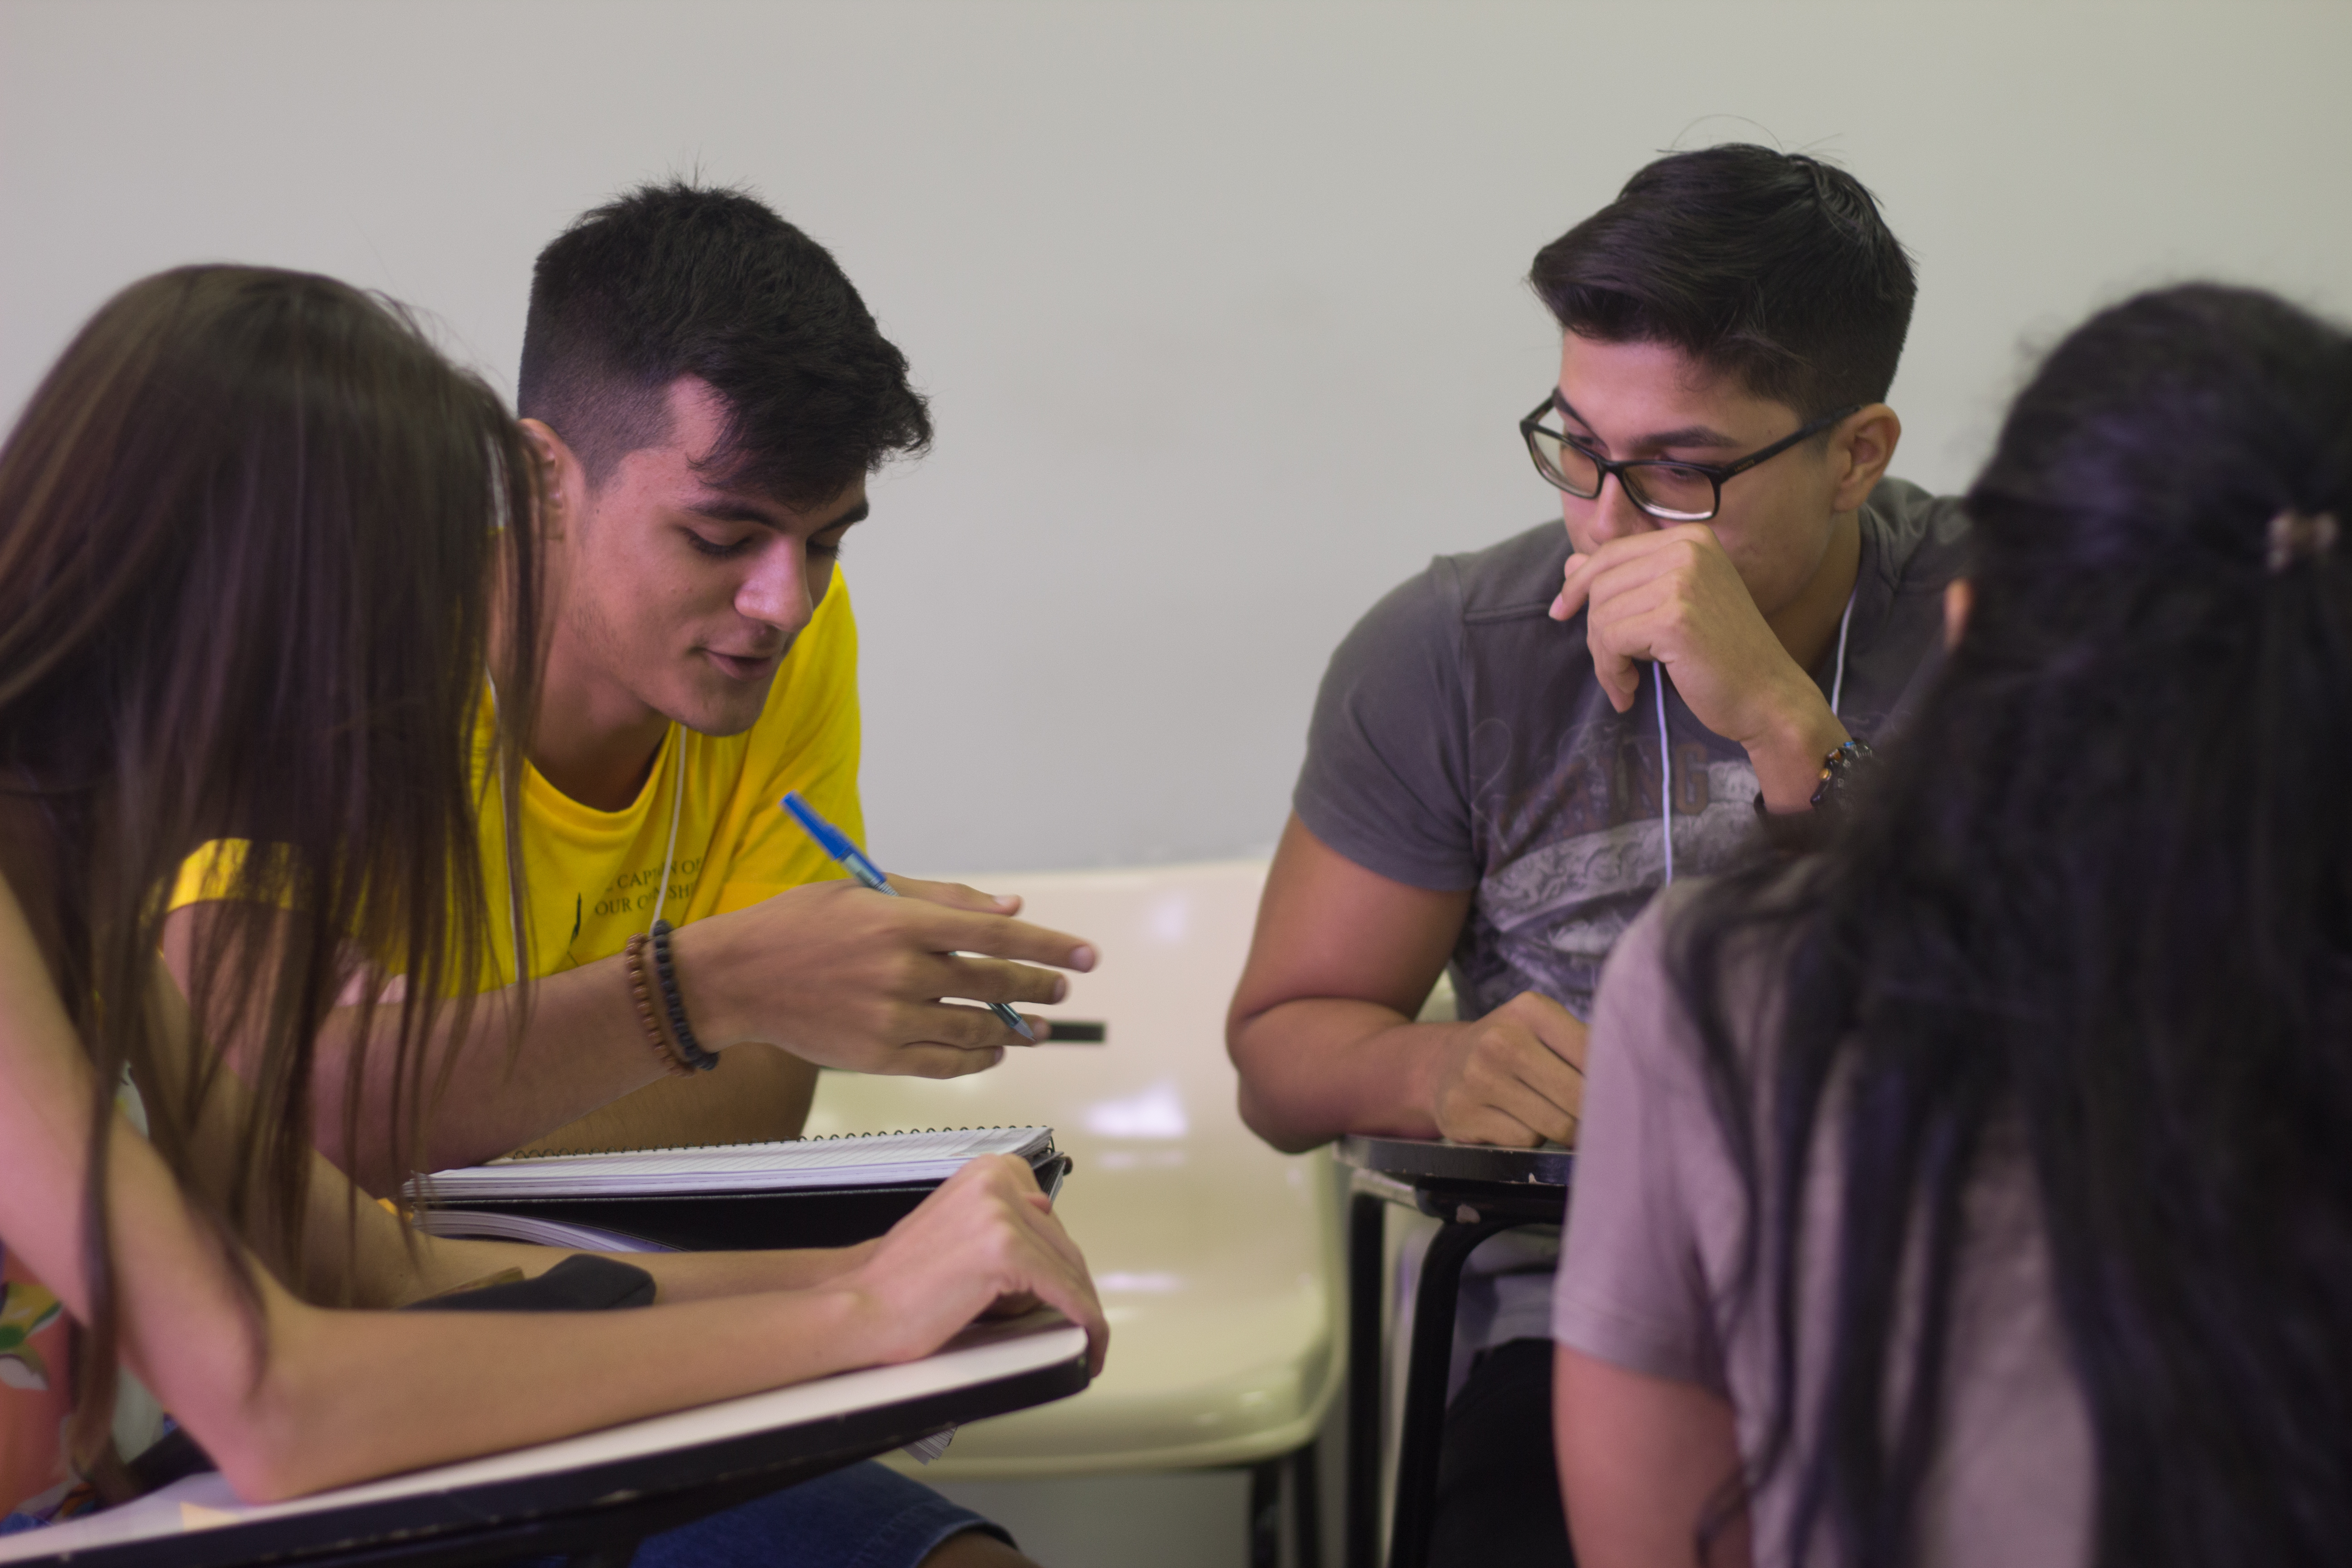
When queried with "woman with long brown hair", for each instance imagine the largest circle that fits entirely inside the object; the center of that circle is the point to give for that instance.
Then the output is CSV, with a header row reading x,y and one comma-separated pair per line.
x,y
260,546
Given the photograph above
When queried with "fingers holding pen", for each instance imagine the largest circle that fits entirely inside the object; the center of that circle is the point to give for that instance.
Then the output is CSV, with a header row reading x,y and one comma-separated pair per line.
x,y
884,949
987,926
977,979
962,976
946,1039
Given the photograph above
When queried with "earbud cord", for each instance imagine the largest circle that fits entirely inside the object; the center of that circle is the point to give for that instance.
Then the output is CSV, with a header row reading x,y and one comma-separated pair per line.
x,y
669,854
1845,623
1665,750
1665,774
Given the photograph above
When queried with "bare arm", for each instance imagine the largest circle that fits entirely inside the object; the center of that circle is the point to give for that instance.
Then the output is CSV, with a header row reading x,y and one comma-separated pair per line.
x,y
350,1241
1321,1026
830,973
317,1398
354,1250
584,1046
1641,1461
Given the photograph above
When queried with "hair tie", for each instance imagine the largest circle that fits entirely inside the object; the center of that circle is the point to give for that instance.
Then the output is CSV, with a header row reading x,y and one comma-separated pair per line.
x,y
2300,536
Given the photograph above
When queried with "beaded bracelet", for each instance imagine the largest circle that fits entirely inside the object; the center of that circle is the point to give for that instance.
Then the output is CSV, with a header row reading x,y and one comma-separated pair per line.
x,y
635,951
681,1034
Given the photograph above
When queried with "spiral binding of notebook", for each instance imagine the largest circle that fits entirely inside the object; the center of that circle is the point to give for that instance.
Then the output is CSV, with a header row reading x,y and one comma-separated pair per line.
x,y
779,1143
813,1192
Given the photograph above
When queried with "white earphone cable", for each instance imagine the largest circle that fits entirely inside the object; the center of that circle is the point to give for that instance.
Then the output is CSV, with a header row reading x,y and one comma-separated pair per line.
x,y
1665,773
1845,623
514,908
677,805
669,853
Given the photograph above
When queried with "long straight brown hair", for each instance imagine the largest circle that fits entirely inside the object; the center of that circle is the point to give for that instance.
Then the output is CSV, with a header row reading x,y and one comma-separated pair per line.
x,y
251,529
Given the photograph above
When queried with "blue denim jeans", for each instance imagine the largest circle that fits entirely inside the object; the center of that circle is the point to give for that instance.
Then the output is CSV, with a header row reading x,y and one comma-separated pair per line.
x,y
862,1517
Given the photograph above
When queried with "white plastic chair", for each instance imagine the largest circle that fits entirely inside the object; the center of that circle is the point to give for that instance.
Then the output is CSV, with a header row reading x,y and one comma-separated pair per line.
x,y
1217,1258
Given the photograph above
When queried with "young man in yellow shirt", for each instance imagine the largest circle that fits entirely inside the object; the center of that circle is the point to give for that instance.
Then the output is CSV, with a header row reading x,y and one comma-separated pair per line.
x,y
707,394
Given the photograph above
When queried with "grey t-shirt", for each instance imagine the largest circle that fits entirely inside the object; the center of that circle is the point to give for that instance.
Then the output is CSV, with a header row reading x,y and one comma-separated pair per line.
x,y
1461,741
1649,1267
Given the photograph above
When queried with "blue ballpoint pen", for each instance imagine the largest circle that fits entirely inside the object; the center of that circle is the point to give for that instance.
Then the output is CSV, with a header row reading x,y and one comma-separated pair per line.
x,y
835,842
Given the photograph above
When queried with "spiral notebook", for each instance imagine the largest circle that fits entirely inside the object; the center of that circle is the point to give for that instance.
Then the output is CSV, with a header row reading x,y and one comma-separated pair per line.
x,y
807,1192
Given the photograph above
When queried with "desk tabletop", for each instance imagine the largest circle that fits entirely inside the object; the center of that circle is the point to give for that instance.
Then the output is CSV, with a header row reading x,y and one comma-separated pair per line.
x,y
1439,1159
801,1430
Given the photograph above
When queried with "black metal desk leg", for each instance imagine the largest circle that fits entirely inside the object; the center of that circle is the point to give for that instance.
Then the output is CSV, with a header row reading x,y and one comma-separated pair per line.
x,y
1266,1514
1424,1384
1306,1505
1366,1232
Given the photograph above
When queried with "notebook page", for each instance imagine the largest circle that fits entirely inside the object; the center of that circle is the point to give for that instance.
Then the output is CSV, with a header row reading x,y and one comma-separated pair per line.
x,y
814,1163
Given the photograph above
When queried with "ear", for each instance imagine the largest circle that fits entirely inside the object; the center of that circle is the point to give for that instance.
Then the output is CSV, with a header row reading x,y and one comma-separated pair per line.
x,y
1864,444
1959,598
563,482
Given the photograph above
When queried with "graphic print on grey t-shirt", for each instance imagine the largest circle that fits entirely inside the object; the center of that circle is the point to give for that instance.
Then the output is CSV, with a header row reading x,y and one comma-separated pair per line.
x,y
1571,860
1461,741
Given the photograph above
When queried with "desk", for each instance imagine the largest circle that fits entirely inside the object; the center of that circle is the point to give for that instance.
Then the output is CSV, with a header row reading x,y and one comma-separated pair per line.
x,y
596,1496
1475,1192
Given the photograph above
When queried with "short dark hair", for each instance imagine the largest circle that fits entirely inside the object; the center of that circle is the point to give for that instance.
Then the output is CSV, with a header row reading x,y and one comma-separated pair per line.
x,y
674,279
1771,267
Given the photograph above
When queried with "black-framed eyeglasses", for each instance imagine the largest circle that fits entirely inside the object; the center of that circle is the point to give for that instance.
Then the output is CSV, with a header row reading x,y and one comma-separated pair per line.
x,y
1670,492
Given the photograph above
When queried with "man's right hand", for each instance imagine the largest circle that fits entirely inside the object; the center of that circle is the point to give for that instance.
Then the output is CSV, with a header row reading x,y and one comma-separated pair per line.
x,y
1515,1076
842,976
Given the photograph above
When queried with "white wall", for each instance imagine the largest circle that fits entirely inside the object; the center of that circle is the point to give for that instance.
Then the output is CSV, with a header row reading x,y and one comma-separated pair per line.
x,y
1219,304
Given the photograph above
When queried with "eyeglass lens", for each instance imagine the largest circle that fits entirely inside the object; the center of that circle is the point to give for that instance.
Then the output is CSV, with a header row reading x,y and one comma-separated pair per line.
x,y
1663,489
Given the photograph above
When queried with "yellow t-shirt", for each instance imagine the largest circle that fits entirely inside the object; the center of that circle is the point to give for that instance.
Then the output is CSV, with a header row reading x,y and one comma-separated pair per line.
x,y
591,875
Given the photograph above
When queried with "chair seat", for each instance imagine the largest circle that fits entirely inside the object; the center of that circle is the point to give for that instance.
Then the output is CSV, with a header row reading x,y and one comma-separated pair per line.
x,y
1216,1258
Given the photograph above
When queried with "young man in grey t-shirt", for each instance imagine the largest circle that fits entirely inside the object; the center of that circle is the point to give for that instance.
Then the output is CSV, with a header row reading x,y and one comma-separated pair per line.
x,y
1512,751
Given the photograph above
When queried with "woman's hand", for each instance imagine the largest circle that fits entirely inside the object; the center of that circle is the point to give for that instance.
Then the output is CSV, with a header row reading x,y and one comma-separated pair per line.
x,y
985,1243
